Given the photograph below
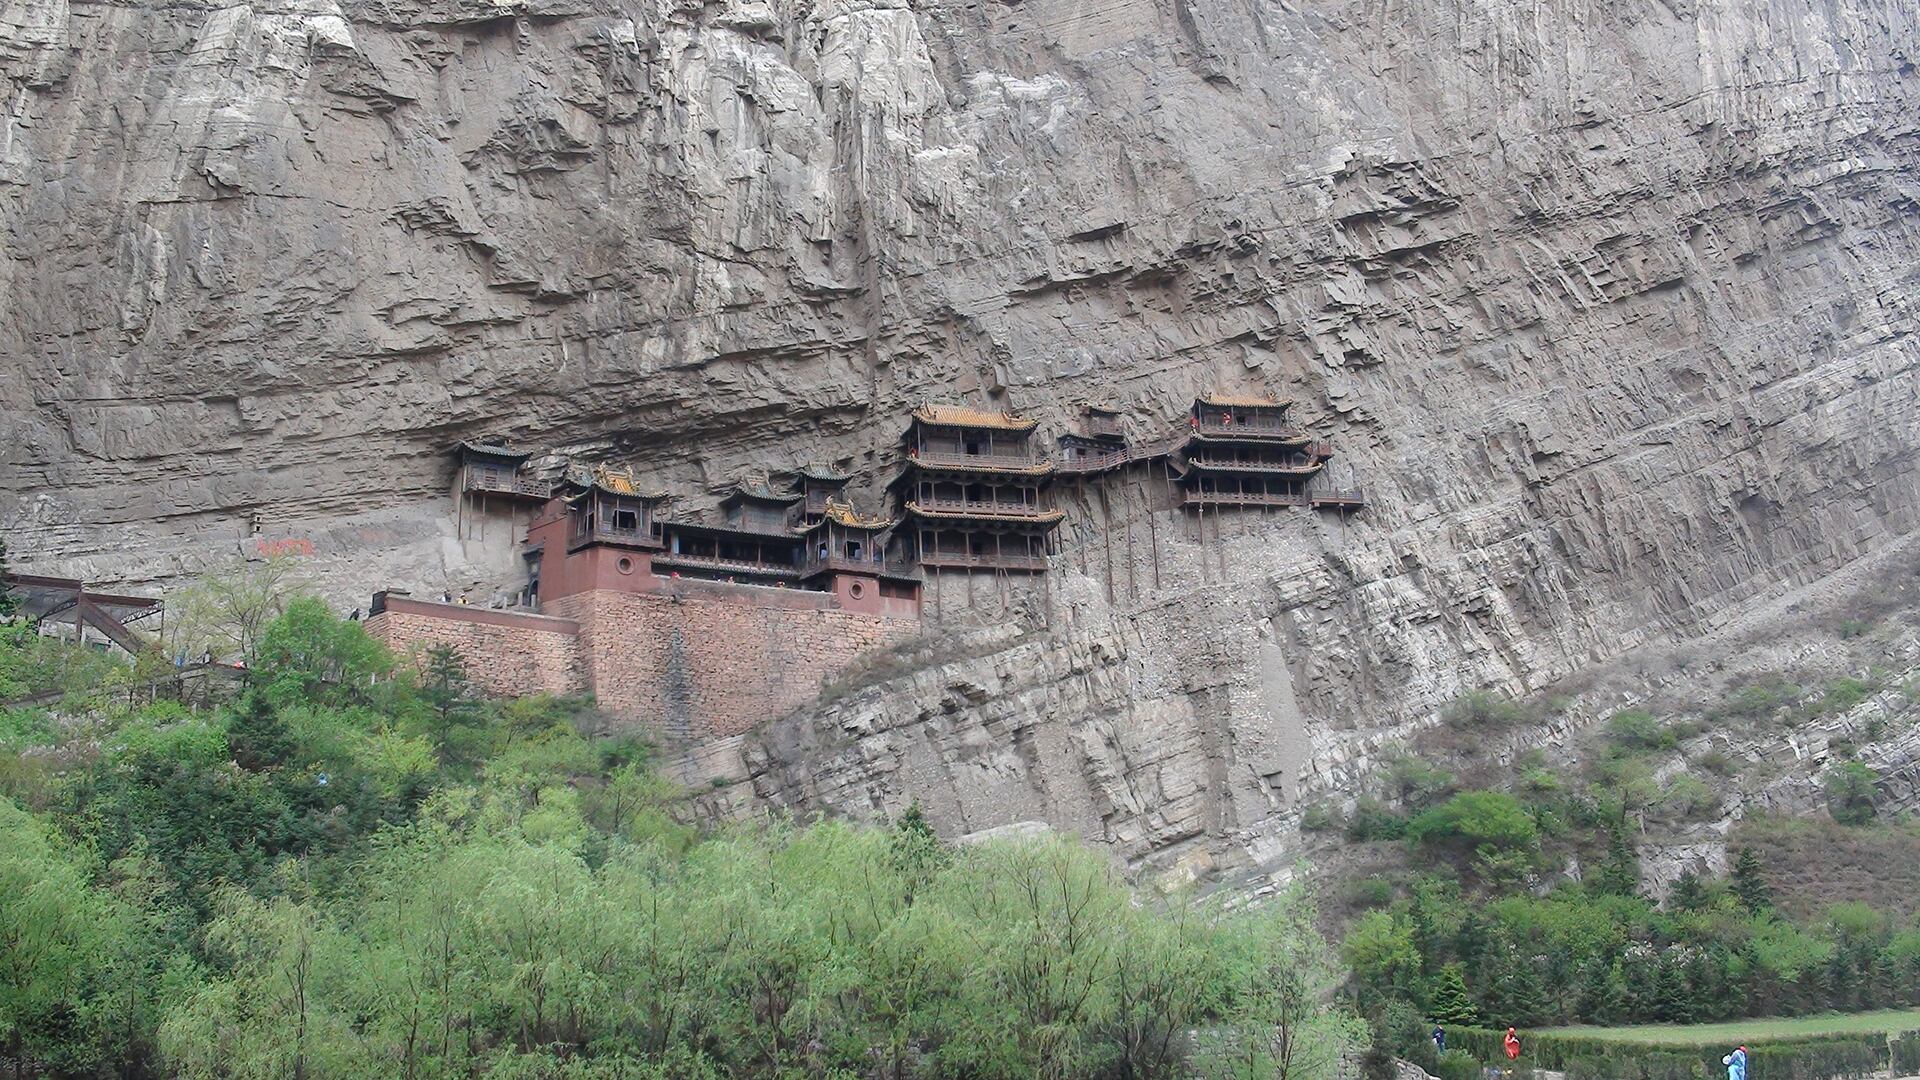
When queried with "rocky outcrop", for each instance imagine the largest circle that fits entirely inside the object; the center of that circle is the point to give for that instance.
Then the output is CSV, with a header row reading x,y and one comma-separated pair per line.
x,y
1608,307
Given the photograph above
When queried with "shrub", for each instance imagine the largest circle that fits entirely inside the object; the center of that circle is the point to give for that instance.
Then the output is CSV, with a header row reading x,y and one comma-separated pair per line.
x,y
1689,798
1318,818
1460,1065
1717,762
1638,730
1479,710
1758,701
1905,1052
1417,783
1849,787
1477,819
1370,892
1373,820
1844,693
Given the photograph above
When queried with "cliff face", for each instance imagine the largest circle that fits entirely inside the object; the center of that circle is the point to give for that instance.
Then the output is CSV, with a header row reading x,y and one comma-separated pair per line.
x,y
1609,307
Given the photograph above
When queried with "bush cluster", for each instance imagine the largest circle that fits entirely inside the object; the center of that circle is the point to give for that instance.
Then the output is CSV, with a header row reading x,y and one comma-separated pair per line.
x,y
357,868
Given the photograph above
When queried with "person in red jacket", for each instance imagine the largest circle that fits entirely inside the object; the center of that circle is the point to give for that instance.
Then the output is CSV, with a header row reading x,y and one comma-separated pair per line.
x,y
1513,1045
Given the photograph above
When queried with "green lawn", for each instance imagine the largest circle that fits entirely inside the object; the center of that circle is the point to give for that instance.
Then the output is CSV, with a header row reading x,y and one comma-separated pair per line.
x,y
1739,1031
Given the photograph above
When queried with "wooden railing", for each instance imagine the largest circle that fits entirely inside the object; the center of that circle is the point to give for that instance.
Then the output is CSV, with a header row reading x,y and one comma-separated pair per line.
x,y
987,462
1257,429
1340,497
1113,459
613,534
736,566
1298,467
497,484
981,506
1007,561
1191,497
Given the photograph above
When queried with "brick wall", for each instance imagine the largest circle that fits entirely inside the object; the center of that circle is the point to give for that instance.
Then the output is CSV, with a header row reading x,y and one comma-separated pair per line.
x,y
507,653
706,659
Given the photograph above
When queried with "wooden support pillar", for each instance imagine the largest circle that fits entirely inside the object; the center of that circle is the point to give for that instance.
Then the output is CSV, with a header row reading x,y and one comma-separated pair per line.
x,y
1153,535
1106,539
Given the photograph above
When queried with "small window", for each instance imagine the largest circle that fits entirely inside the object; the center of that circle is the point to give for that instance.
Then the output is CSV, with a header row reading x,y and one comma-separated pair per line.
x,y
626,519
856,590
973,448
625,565
853,549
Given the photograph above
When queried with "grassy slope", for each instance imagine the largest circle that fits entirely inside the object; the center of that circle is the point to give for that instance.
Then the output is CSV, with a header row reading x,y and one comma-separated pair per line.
x,y
1812,863
1736,1031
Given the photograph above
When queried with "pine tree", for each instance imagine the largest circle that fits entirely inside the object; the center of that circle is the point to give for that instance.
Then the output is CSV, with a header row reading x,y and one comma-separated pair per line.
x,y
1689,893
1603,1000
1620,874
1671,1003
9,603
1451,1002
448,695
1377,1062
256,736
1749,884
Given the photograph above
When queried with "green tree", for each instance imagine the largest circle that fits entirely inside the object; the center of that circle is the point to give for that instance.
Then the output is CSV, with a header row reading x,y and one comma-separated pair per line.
x,y
257,736
1689,893
1850,792
1620,873
58,941
227,611
1380,952
9,603
1275,973
1479,819
309,655
1672,1001
1451,1002
448,696
1750,882
1604,998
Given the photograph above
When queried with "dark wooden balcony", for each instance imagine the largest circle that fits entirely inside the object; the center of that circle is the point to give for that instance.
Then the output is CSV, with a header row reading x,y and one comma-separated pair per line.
x,y
983,507
982,462
1191,497
1301,466
503,483
669,560
1009,561
840,564
1343,498
611,534
1277,430
1101,461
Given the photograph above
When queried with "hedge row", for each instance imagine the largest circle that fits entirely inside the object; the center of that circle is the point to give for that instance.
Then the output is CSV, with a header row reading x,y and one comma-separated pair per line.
x,y
1823,1057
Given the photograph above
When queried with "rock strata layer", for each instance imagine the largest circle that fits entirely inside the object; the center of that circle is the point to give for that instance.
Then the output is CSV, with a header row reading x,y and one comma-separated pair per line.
x,y
1608,307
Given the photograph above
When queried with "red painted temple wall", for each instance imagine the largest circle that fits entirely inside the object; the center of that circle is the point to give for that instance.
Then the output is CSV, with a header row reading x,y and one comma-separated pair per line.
x,y
506,653
702,659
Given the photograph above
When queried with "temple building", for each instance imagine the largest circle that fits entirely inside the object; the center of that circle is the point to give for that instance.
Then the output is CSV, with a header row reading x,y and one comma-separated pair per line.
x,y
819,486
598,532
493,470
754,543
847,555
974,492
1099,445
1244,451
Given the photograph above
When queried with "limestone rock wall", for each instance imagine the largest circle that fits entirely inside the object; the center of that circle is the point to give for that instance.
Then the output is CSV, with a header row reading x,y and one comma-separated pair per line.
x,y
1609,307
